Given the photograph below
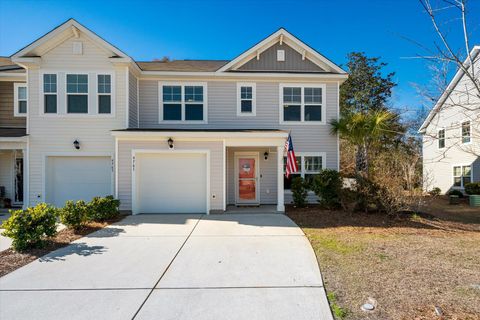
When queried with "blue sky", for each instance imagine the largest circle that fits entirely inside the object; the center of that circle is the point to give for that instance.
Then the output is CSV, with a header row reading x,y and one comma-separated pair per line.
x,y
205,29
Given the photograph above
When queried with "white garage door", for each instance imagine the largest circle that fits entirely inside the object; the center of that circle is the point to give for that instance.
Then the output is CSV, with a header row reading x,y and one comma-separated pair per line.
x,y
77,178
170,183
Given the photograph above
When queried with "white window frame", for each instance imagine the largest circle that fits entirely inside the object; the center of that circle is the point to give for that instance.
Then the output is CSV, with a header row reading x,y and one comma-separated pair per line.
x,y
303,171
77,93
302,103
461,174
182,102
43,93
444,139
16,105
469,131
104,94
252,85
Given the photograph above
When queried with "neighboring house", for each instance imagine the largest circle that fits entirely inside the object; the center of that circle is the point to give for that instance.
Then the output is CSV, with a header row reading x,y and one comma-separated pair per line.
x,y
80,118
451,133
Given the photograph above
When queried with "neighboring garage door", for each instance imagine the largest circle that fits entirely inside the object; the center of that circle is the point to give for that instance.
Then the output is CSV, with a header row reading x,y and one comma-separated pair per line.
x,y
170,183
77,178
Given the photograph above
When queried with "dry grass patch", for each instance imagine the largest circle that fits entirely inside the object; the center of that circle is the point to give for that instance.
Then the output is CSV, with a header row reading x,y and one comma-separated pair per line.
x,y
409,265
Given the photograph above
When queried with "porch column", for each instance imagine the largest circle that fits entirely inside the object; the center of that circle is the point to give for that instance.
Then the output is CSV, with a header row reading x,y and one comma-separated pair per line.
x,y
26,176
280,192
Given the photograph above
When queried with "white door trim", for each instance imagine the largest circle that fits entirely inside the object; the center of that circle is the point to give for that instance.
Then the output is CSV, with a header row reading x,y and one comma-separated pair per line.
x,y
156,151
241,154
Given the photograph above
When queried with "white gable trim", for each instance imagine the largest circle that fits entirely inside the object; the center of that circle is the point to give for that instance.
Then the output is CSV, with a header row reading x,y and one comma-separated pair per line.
x,y
75,27
283,36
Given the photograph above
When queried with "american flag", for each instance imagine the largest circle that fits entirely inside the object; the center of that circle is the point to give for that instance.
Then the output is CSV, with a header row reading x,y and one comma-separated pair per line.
x,y
291,161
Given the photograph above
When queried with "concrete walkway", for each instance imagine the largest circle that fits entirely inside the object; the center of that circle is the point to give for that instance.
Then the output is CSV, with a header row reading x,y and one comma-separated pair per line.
x,y
238,266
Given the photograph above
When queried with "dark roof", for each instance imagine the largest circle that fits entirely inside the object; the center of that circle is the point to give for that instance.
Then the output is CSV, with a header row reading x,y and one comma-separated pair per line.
x,y
198,130
6,64
182,65
12,132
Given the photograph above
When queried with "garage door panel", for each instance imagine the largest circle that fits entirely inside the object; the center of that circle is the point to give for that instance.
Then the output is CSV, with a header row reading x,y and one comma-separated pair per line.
x,y
171,183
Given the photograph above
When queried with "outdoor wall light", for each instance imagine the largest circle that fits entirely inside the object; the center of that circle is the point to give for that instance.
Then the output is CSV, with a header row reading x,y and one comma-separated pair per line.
x,y
266,155
76,144
170,143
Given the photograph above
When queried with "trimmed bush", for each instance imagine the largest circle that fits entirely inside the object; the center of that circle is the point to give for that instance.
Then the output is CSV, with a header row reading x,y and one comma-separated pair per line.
x,y
472,188
102,209
74,214
456,193
435,192
29,228
327,185
299,192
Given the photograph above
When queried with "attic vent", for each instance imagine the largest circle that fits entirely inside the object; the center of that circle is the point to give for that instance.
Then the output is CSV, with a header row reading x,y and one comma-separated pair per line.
x,y
280,55
77,47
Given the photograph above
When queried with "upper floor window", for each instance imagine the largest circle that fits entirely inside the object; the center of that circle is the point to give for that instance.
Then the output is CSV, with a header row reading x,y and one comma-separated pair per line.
x,y
466,138
309,165
50,93
104,89
441,139
77,93
246,104
183,102
462,175
20,100
302,103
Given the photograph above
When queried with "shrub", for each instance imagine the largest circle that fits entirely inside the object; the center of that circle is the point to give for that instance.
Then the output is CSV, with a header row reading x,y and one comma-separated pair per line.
x,y
327,185
299,192
472,188
28,228
456,193
435,192
74,214
102,209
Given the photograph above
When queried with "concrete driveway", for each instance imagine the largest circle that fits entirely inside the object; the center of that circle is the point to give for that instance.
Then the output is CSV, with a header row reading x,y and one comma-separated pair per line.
x,y
238,266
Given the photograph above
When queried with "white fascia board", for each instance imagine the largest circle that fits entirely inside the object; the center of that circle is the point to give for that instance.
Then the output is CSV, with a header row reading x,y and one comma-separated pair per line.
x,y
12,76
23,139
217,135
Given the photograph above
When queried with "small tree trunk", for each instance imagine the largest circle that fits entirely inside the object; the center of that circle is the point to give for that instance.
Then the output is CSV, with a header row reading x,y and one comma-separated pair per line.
x,y
361,164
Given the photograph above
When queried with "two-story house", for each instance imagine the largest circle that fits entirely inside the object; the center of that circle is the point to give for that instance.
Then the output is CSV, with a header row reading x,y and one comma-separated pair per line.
x,y
80,118
451,132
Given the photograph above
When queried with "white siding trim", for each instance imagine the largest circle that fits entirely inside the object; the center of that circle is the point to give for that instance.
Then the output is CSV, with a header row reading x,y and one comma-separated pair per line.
x,y
224,176
127,97
253,85
138,103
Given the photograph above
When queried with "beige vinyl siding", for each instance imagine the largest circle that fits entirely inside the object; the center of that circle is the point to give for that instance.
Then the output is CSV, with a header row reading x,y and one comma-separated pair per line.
x,y
293,61
55,134
132,101
222,114
125,167
7,120
267,172
7,173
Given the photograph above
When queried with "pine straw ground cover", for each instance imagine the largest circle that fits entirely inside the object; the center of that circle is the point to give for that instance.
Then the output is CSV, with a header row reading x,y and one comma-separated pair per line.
x,y
408,265
11,260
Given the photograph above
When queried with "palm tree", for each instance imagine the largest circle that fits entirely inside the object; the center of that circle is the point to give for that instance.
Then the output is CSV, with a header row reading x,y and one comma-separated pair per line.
x,y
364,130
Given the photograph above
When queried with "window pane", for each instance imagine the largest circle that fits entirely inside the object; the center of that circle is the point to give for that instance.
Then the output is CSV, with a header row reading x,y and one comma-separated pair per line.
x,y
50,83
77,83
313,164
104,104
50,103
287,183
22,93
467,171
457,182
441,139
457,171
313,113
466,132
172,112
246,92
172,93
291,113
466,180
77,104
292,94
22,106
194,94
246,106
104,83
313,95
194,112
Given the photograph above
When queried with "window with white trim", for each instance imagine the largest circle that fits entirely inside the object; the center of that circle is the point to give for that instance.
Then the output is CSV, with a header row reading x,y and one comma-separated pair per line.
x,y
466,138
183,102
246,96
77,93
104,89
20,96
309,165
441,139
462,175
50,93
302,103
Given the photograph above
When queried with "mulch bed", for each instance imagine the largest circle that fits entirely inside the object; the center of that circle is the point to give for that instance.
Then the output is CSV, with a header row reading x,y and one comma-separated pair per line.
x,y
10,260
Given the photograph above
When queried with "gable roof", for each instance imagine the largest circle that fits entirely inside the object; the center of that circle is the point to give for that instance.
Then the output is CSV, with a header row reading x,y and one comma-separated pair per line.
x,y
6,65
182,65
451,86
74,26
282,35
